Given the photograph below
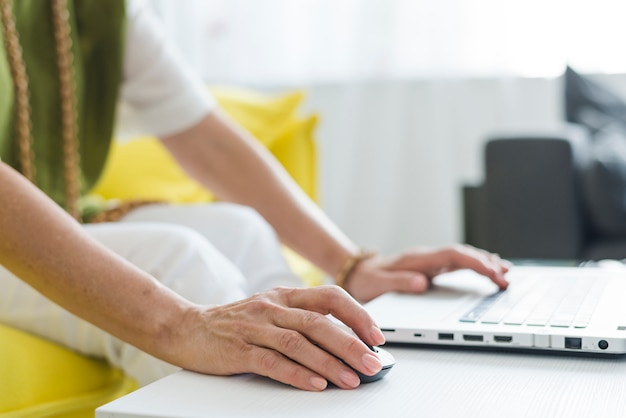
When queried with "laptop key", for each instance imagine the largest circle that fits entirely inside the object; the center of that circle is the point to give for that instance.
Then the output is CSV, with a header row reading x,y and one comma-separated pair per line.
x,y
494,316
538,320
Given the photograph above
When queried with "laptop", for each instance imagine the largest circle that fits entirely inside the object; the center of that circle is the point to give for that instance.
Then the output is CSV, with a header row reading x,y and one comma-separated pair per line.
x,y
571,309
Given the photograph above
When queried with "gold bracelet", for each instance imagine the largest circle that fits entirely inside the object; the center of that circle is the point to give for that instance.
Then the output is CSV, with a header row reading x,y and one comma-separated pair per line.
x,y
342,276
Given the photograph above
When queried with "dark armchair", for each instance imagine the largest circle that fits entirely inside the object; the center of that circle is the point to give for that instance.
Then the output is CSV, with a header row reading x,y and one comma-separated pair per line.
x,y
531,204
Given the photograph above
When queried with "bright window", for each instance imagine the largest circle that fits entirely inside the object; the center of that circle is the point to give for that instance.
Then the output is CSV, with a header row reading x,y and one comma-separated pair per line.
x,y
300,41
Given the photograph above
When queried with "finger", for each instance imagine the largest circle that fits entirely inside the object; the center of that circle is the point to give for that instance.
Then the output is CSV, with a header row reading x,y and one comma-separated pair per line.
x,y
500,266
405,281
337,302
453,258
504,264
272,364
332,338
321,361
394,281
469,257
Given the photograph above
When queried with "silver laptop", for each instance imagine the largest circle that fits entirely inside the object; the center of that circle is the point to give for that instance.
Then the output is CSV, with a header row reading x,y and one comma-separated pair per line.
x,y
547,308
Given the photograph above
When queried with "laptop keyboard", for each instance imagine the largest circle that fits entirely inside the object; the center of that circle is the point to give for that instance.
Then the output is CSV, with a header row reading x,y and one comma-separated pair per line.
x,y
564,302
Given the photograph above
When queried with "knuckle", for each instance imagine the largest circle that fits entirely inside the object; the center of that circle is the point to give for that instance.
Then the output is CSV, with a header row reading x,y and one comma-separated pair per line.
x,y
260,304
291,342
288,295
332,293
269,360
353,345
311,320
457,249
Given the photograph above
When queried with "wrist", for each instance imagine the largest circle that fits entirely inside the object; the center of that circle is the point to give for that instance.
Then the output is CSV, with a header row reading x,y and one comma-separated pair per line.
x,y
175,338
349,266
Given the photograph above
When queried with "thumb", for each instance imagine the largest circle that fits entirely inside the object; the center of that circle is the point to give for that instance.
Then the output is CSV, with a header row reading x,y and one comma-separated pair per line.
x,y
406,282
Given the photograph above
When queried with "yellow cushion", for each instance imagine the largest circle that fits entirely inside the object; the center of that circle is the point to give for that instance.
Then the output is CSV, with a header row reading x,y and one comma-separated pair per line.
x,y
39,378
297,153
142,169
264,116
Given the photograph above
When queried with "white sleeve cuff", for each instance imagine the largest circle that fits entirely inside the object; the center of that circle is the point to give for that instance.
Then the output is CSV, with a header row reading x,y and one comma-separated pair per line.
x,y
163,93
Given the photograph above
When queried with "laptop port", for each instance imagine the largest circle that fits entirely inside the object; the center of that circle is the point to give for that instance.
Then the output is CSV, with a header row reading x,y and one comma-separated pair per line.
x,y
446,336
502,338
417,334
573,343
468,337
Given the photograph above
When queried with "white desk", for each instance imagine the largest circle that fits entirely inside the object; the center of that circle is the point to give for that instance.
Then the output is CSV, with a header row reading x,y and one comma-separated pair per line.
x,y
425,382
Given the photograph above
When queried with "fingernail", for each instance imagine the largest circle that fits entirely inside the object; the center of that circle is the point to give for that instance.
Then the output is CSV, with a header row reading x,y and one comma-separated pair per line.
x,y
318,383
349,379
377,335
371,363
418,285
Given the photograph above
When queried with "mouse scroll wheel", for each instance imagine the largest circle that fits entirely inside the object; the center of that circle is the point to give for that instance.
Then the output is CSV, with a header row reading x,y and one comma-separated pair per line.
x,y
374,349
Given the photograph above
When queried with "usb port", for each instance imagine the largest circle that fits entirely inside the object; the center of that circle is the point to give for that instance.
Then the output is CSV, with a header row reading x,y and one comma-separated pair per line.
x,y
573,343
446,336
469,337
502,338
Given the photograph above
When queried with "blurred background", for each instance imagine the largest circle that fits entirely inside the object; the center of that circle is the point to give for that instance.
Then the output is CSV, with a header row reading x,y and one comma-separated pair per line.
x,y
407,91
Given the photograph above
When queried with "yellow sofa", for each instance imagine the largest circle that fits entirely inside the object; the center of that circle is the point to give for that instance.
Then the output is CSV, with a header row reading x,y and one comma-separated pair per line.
x,y
41,379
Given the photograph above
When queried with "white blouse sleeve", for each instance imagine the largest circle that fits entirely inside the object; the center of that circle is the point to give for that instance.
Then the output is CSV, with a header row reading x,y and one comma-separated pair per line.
x,y
160,94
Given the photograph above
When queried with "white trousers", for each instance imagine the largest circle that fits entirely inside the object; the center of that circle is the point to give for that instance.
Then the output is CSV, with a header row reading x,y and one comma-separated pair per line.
x,y
209,253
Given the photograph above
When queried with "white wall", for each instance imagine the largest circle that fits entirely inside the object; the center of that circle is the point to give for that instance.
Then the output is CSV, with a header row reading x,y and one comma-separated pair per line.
x,y
393,155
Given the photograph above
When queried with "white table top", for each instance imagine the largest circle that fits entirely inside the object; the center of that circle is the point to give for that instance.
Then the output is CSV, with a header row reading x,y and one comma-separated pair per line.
x,y
426,382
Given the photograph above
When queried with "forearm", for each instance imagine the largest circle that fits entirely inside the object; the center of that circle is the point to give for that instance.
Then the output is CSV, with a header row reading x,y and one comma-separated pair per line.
x,y
237,168
270,333
50,251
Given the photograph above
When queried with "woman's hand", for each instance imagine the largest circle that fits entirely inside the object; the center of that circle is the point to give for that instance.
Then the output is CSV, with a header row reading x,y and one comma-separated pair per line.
x,y
280,334
412,271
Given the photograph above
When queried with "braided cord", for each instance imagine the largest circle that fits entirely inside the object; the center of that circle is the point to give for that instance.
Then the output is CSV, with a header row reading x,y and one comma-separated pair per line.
x,y
23,126
69,117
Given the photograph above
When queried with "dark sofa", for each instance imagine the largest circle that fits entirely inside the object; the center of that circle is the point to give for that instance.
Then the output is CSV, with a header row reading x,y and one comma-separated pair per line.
x,y
536,200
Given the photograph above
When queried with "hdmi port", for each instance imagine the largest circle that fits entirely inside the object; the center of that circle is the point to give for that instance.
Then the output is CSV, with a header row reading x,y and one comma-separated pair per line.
x,y
502,338
468,337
